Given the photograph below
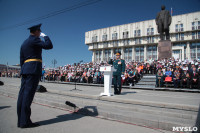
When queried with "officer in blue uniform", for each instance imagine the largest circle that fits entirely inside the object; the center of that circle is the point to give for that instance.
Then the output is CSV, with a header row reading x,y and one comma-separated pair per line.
x,y
31,70
119,65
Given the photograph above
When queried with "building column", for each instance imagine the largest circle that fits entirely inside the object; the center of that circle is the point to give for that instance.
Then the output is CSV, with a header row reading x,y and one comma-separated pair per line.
x,y
94,56
103,55
122,53
157,52
188,51
133,53
112,52
145,52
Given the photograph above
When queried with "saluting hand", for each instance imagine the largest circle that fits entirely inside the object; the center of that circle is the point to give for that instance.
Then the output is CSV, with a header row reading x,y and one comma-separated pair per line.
x,y
42,34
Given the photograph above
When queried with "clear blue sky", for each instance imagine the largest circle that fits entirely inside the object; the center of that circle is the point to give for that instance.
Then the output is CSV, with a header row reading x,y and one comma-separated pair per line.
x,y
67,30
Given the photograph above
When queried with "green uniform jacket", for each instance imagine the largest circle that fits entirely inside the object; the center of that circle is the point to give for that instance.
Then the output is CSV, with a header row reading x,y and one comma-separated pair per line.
x,y
119,65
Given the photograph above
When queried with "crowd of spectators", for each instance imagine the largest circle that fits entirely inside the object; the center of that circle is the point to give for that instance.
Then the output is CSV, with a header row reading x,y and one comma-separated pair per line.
x,y
90,73
171,72
10,73
179,74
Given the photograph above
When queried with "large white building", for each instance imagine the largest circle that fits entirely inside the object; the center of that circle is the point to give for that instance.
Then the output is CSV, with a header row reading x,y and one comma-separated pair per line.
x,y
138,41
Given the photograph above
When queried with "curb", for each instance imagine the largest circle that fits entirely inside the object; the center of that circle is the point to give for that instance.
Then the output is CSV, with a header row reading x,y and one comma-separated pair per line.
x,y
127,87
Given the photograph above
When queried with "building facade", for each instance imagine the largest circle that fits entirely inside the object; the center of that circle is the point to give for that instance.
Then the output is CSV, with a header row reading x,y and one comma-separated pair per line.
x,y
138,41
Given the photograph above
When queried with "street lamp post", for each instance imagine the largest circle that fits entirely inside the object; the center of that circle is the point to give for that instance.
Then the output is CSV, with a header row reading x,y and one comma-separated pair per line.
x,y
54,61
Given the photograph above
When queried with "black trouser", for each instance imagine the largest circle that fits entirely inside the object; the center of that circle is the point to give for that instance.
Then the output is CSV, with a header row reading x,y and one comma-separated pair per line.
x,y
187,82
195,84
176,83
159,82
27,91
131,80
117,84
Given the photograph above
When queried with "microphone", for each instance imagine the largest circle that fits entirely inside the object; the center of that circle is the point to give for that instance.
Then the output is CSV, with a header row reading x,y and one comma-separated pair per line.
x,y
71,104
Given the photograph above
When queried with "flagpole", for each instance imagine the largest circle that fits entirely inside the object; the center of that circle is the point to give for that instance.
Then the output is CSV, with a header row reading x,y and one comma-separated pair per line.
x,y
171,11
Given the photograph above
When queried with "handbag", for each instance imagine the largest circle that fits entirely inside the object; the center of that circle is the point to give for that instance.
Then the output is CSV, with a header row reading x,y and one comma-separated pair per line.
x,y
168,79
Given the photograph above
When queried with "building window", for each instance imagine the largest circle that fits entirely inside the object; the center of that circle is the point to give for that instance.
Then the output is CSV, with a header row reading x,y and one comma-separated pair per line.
x,y
125,34
114,36
117,50
195,50
179,45
150,39
137,33
95,45
196,25
104,38
128,54
98,56
105,44
94,39
179,27
107,56
126,42
139,53
196,35
137,40
115,43
150,31
179,36
152,53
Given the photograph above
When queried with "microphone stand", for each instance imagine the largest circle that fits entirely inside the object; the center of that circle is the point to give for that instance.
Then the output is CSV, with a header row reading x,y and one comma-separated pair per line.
x,y
75,89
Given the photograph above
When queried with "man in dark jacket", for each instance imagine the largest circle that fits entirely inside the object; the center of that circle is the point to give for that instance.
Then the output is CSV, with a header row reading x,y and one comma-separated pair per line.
x,y
31,70
194,78
185,78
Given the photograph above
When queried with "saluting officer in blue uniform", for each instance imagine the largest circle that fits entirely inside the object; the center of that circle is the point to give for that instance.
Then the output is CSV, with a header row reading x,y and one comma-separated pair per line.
x,y
119,65
31,70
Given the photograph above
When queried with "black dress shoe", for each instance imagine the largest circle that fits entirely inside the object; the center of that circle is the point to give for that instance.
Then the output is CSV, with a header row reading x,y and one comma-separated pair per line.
x,y
32,125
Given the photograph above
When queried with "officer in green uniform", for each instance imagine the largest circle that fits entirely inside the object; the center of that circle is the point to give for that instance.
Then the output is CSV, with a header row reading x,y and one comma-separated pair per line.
x,y
119,65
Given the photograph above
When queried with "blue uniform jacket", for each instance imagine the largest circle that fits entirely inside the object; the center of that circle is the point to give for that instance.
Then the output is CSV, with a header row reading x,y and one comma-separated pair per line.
x,y
32,49
119,65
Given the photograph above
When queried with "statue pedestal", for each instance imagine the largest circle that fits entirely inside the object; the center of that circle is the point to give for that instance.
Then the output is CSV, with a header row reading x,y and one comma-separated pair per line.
x,y
164,49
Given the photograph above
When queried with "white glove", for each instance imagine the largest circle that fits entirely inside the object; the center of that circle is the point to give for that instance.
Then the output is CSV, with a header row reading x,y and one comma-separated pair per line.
x,y
42,34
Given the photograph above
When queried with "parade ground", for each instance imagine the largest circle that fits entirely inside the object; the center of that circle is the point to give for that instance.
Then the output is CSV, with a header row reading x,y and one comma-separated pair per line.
x,y
134,111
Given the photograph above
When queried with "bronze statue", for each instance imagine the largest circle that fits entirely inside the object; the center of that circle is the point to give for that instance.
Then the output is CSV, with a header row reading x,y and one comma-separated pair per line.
x,y
163,21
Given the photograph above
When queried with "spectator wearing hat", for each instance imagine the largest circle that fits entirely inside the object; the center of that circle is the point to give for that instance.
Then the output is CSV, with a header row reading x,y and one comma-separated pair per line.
x,y
131,77
168,73
194,78
159,78
185,78
97,75
148,68
176,78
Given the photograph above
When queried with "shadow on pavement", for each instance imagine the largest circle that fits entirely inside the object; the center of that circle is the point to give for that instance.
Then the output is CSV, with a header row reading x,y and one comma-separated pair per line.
x,y
3,107
124,93
86,111
197,122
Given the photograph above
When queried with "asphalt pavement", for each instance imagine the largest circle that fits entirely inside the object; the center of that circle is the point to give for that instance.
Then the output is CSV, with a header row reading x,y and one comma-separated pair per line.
x,y
54,120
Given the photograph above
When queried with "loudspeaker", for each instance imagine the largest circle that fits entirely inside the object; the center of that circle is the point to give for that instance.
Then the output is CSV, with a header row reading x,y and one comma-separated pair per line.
x,y
41,88
1,83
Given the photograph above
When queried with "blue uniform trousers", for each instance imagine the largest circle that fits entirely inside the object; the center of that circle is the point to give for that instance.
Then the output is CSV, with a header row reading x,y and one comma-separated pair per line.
x,y
117,84
27,91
